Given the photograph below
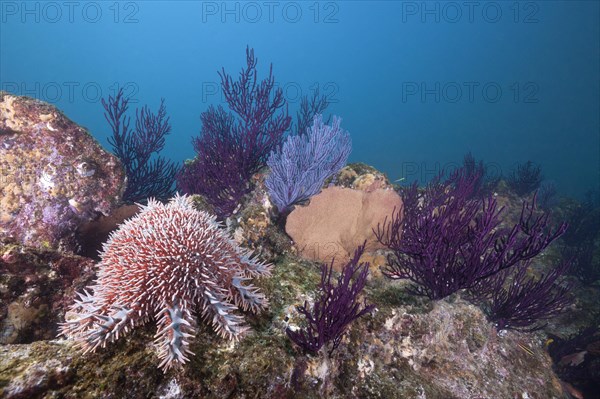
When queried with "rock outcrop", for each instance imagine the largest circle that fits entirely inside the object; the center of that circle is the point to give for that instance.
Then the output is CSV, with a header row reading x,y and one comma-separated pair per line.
x,y
53,174
36,286
409,347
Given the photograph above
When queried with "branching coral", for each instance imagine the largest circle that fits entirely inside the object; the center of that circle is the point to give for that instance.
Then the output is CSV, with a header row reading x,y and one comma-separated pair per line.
x,y
484,181
336,307
316,105
512,300
232,148
147,176
525,179
449,240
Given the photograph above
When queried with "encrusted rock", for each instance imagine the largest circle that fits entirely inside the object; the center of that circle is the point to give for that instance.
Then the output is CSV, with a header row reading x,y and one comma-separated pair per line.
x,y
361,177
35,288
33,369
54,175
253,227
408,348
462,356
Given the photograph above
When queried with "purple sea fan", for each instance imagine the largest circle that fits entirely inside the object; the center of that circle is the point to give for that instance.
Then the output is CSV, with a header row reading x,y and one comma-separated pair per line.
x,y
167,263
300,167
235,146
515,301
336,308
448,240
148,175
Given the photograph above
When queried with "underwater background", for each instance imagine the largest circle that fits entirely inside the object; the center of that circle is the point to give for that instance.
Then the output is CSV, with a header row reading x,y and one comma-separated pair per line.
x,y
300,199
418,84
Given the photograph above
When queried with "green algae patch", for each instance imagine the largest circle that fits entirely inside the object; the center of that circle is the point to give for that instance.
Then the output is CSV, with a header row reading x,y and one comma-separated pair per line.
x,y
256,366
290,278
394,294
264,365
31,370
126,366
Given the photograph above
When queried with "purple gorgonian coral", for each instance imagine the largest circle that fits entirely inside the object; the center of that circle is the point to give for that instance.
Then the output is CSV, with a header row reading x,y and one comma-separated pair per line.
x,y
336,307
446,239
148,175
235,145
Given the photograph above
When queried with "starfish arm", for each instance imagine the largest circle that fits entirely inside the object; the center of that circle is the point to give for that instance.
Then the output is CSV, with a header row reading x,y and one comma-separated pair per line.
x,y
247,297
175,326
93,325
251,265
82,315
219,312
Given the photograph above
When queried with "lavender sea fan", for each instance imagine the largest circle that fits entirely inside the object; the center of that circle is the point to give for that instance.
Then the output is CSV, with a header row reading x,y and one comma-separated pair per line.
x,y
335,309
300,167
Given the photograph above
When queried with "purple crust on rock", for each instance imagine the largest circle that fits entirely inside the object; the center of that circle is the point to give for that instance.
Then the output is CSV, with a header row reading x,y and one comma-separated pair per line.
x,y
53,174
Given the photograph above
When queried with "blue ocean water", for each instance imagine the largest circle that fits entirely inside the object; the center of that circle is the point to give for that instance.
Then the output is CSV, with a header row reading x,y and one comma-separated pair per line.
x,y
418,84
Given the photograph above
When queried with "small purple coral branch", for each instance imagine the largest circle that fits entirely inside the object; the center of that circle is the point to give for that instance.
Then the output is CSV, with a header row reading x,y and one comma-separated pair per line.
x,y
526,178
514,301
335,309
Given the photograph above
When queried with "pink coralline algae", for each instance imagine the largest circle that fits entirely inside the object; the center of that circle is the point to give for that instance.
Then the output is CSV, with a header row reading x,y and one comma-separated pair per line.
x,y
53,174
167,263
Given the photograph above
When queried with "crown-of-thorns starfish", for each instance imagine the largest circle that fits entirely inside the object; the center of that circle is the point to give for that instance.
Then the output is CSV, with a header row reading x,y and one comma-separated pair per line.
x,y
167,263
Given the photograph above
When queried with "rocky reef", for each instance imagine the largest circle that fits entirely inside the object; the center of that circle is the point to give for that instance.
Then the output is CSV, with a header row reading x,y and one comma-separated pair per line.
x,y
54,175
407,347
